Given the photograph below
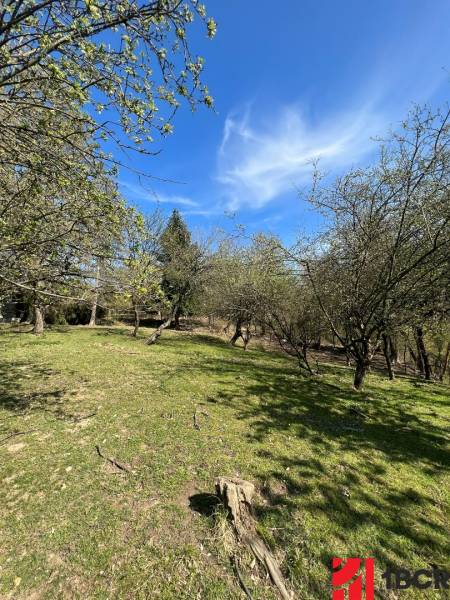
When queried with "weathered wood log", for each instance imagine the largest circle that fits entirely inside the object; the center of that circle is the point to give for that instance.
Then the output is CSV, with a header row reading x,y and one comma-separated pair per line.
x,y
237,495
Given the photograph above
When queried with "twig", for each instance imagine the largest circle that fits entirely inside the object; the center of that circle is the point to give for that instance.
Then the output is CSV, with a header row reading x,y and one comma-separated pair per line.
x,y
202,412
82,418
11,435
234,562
112,461
358,412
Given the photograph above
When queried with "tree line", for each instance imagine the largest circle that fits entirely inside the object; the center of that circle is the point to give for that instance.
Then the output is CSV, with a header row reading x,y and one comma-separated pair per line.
x,y
75,77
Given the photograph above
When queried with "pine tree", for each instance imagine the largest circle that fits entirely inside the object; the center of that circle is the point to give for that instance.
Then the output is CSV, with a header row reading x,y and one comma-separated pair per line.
x,y
180,259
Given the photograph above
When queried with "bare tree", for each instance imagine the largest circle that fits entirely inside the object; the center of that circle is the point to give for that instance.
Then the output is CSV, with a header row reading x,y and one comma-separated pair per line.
x,y
386,250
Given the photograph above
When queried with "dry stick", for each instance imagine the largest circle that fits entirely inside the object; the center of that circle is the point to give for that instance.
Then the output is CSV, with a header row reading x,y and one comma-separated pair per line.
x,y
112,461
358,412
11,435
82,418
196,425
234,562
202,412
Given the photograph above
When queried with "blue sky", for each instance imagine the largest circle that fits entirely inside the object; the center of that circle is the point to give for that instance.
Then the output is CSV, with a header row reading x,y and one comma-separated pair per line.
x,y
310,79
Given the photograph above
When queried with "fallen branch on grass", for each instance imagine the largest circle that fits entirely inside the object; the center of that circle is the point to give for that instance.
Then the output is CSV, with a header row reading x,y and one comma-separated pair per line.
x,y
83,417
236,495
234,562
11,435
112,461
197,411
357,412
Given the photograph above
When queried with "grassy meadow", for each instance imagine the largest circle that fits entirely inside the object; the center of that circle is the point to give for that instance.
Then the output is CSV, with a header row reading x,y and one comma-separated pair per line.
x,y
330,482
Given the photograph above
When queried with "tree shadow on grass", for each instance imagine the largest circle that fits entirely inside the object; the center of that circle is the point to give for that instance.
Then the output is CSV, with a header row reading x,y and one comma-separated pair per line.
x,y
113,331
15,394
204,504
350,483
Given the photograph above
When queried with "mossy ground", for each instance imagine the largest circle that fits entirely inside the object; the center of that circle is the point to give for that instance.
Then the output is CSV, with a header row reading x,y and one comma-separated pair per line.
x,y
330,483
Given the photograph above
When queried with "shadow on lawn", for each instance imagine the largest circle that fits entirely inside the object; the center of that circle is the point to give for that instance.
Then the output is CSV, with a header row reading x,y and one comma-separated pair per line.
x,y
183,337
355,491
15,396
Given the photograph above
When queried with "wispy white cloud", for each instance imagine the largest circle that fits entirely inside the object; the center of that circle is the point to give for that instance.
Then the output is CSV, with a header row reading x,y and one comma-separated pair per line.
x,y
259,162
215,210
139,193
175,199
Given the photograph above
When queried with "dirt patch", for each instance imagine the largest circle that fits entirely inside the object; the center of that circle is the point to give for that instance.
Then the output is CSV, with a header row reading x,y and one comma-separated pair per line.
x,y
16,447
36,594
54,560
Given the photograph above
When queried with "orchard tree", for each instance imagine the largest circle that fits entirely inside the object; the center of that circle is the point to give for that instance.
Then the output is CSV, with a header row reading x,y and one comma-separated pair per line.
x,y
231,289
293,317
73,74
386,250
128,60
50,253
237,284
141,274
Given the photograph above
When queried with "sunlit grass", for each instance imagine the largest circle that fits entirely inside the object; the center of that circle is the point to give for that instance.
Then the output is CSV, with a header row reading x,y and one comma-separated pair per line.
x,y
330,482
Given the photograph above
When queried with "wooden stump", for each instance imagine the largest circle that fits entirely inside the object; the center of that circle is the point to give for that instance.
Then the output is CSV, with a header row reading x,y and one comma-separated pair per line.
x,y
236,495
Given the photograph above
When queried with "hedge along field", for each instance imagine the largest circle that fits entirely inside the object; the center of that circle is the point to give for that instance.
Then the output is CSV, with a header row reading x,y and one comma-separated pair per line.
x,y
331,481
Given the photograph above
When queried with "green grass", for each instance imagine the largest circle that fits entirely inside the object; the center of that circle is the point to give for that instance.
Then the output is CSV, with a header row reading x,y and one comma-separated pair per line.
x,y
329,483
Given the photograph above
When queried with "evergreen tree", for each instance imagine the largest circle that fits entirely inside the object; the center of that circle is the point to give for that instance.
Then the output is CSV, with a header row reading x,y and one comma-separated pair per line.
x,y
180,259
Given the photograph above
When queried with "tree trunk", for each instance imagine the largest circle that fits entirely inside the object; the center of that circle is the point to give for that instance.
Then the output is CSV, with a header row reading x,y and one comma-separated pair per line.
x,y
445,363
93,318
393,350
237,334
423,353
137,320
416,360
387,355
362,366
419,359
236,495
246,337
305,358
176,318
93,312
157,333
38,328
